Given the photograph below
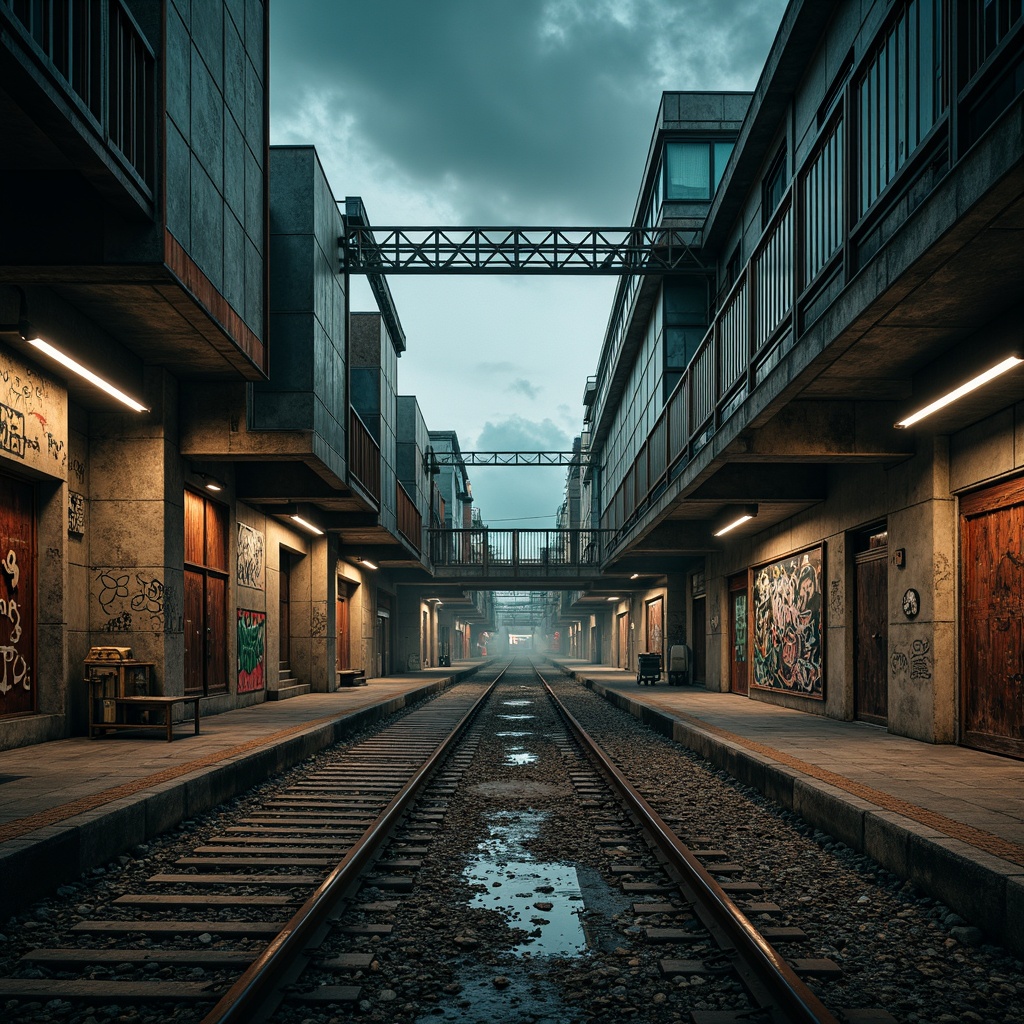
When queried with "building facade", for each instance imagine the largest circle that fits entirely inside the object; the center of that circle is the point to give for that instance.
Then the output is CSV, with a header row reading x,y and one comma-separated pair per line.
x,y
857,218
238,523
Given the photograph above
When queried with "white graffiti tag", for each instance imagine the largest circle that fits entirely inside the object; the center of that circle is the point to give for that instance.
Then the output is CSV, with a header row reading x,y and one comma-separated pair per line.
x,y
19,673
10,566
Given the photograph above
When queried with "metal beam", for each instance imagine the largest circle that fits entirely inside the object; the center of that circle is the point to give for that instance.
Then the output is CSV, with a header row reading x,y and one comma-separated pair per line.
x,y
506,458
612,251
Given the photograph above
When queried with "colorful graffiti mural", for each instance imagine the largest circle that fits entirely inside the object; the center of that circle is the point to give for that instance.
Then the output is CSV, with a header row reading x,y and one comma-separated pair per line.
x,y
788,626
252,643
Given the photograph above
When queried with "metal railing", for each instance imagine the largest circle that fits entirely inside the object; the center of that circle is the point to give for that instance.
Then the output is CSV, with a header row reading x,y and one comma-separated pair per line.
x,y
96,50
530,552
410,522
363,456
748,329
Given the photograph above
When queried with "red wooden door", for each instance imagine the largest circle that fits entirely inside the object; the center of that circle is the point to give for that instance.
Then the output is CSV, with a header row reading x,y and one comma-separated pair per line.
x,y
992,619
17,597
343,639
739,681
206,595
195,648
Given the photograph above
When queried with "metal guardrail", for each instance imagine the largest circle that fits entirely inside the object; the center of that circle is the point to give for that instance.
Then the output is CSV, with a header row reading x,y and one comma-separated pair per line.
x,y
486,551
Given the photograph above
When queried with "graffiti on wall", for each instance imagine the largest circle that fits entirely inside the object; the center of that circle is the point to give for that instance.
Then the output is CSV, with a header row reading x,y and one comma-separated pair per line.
x,y
14,669
251,557
76,513
121,593
252,640
788,625
33,428
655,635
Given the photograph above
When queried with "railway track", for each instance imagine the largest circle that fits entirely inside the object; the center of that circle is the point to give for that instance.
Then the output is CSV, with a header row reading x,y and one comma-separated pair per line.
x,y
347,882
273,879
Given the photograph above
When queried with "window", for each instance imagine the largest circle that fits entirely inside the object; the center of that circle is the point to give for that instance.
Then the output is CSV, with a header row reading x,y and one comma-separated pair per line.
x,y
900,96
685,303
774,187
694,169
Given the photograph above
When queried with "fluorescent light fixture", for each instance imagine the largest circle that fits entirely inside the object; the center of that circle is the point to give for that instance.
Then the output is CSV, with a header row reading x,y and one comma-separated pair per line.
x,y
367,563
307,525
965,389
76,367
635,576
732,517
738,521
612,599
211,483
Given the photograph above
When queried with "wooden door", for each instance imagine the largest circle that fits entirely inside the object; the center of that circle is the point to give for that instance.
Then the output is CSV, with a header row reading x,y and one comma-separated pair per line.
x,y
17,597
739,681
195,648
871,636
342,630
206,595
992,619
698,642
284,631
624,640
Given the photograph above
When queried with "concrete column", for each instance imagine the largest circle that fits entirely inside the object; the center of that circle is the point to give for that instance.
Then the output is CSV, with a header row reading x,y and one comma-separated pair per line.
x,y
136,533
922,647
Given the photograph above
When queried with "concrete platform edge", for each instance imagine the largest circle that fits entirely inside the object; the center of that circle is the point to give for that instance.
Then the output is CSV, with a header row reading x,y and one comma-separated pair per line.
x,y
985,890
58,854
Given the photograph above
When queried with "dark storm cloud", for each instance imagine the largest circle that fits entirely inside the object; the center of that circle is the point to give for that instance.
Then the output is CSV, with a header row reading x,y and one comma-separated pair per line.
x,y
532,111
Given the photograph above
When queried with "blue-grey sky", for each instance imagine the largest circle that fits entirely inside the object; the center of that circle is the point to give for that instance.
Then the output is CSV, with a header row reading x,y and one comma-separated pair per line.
x,y
492,112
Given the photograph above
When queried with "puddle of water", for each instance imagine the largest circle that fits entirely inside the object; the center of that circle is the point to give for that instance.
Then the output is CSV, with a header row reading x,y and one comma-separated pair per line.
x,y
516,703
520,756
515,734
512,879
517,718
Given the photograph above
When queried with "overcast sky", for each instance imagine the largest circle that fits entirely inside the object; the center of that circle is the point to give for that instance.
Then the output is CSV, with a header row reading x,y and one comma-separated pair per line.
x,y
494,112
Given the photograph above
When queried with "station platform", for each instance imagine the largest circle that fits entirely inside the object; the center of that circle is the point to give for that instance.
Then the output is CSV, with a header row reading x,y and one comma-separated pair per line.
x,y
948,819
70,805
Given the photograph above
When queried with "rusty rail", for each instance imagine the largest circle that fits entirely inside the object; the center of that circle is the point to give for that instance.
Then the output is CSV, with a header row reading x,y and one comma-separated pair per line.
x,y
246,999
770,980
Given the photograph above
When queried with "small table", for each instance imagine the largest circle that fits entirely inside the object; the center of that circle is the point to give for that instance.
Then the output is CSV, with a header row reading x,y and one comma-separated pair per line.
x,y
166,704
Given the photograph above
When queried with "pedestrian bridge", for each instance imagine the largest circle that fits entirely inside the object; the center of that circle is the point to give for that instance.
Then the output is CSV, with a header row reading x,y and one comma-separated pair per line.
x,y
488,556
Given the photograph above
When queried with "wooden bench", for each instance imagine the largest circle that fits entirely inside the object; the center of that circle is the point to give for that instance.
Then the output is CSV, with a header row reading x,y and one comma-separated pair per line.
x,y
121,704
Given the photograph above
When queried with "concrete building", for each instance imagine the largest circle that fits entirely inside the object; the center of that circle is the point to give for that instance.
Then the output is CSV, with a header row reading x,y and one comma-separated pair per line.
x,y
221,494
854,224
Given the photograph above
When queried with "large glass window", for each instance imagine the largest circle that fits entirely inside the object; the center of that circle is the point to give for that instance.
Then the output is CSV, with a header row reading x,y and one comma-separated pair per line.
x,y
694,169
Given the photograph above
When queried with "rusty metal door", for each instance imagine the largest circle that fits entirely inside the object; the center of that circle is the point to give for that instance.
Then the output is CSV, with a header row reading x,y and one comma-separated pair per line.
x,y
871,637
992,619
17,597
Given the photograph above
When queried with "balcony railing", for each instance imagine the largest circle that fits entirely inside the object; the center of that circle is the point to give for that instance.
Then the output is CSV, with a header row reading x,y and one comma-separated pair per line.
x,y
747,334
525,553
410,522
97,52
363,457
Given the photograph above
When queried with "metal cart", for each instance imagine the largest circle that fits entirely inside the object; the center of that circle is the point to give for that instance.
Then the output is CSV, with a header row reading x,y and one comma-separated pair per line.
x,y
648,669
